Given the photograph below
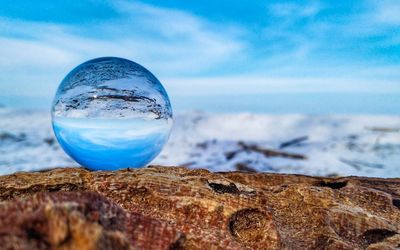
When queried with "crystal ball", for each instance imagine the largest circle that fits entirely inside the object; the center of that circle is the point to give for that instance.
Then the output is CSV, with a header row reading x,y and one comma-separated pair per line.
x,y
111,113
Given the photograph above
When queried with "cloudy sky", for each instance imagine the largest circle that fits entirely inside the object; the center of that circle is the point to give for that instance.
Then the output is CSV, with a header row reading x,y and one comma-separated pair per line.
x,y
202,47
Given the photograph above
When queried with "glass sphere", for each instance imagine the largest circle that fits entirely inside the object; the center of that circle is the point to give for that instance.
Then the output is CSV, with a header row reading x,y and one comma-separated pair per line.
x,y
111,113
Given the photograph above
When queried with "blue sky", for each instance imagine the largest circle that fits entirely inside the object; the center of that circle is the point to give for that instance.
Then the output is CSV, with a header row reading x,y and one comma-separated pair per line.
x,y
206,47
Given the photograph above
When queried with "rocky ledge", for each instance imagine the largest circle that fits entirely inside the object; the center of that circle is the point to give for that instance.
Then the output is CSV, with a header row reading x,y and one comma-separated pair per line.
x,y
178,208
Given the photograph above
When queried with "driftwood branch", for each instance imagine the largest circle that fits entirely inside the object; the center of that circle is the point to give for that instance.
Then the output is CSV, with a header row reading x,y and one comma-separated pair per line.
x,y
293,142
270,152
383,129
242,167
357,164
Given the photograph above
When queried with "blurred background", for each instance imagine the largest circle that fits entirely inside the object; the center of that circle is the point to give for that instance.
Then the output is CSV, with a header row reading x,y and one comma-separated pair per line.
x,y
259,56
320,79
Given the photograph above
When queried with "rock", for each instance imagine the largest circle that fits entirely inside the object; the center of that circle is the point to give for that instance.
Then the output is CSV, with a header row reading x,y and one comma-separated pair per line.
x,y
78,220
177,208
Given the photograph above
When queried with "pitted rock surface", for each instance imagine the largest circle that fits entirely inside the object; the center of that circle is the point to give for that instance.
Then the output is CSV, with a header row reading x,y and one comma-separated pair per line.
x,y
178,208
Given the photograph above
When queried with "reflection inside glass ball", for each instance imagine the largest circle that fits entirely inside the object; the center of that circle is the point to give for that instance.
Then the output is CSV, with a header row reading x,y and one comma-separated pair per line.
x,y
111,113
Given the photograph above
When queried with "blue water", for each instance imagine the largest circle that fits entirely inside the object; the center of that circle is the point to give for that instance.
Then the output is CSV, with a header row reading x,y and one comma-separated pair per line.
x,y
286,103
277,103
110,144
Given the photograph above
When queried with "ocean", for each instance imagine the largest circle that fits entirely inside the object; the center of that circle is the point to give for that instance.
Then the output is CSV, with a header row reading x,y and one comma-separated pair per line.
x,y
271,103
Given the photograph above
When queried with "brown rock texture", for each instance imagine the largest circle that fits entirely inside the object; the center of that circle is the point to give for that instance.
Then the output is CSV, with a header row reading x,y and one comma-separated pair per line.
x,y
78,220
178,208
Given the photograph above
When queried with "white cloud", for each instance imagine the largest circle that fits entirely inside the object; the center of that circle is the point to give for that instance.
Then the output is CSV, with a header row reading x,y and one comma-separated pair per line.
x,y
167,41
289,37
185,43
25,53
387,11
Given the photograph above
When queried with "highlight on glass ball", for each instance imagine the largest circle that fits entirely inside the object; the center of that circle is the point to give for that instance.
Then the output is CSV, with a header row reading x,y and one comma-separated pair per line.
x,y
111,113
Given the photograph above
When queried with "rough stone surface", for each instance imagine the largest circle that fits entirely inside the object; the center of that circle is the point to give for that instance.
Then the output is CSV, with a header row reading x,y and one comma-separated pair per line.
x,y
177,208
78,220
